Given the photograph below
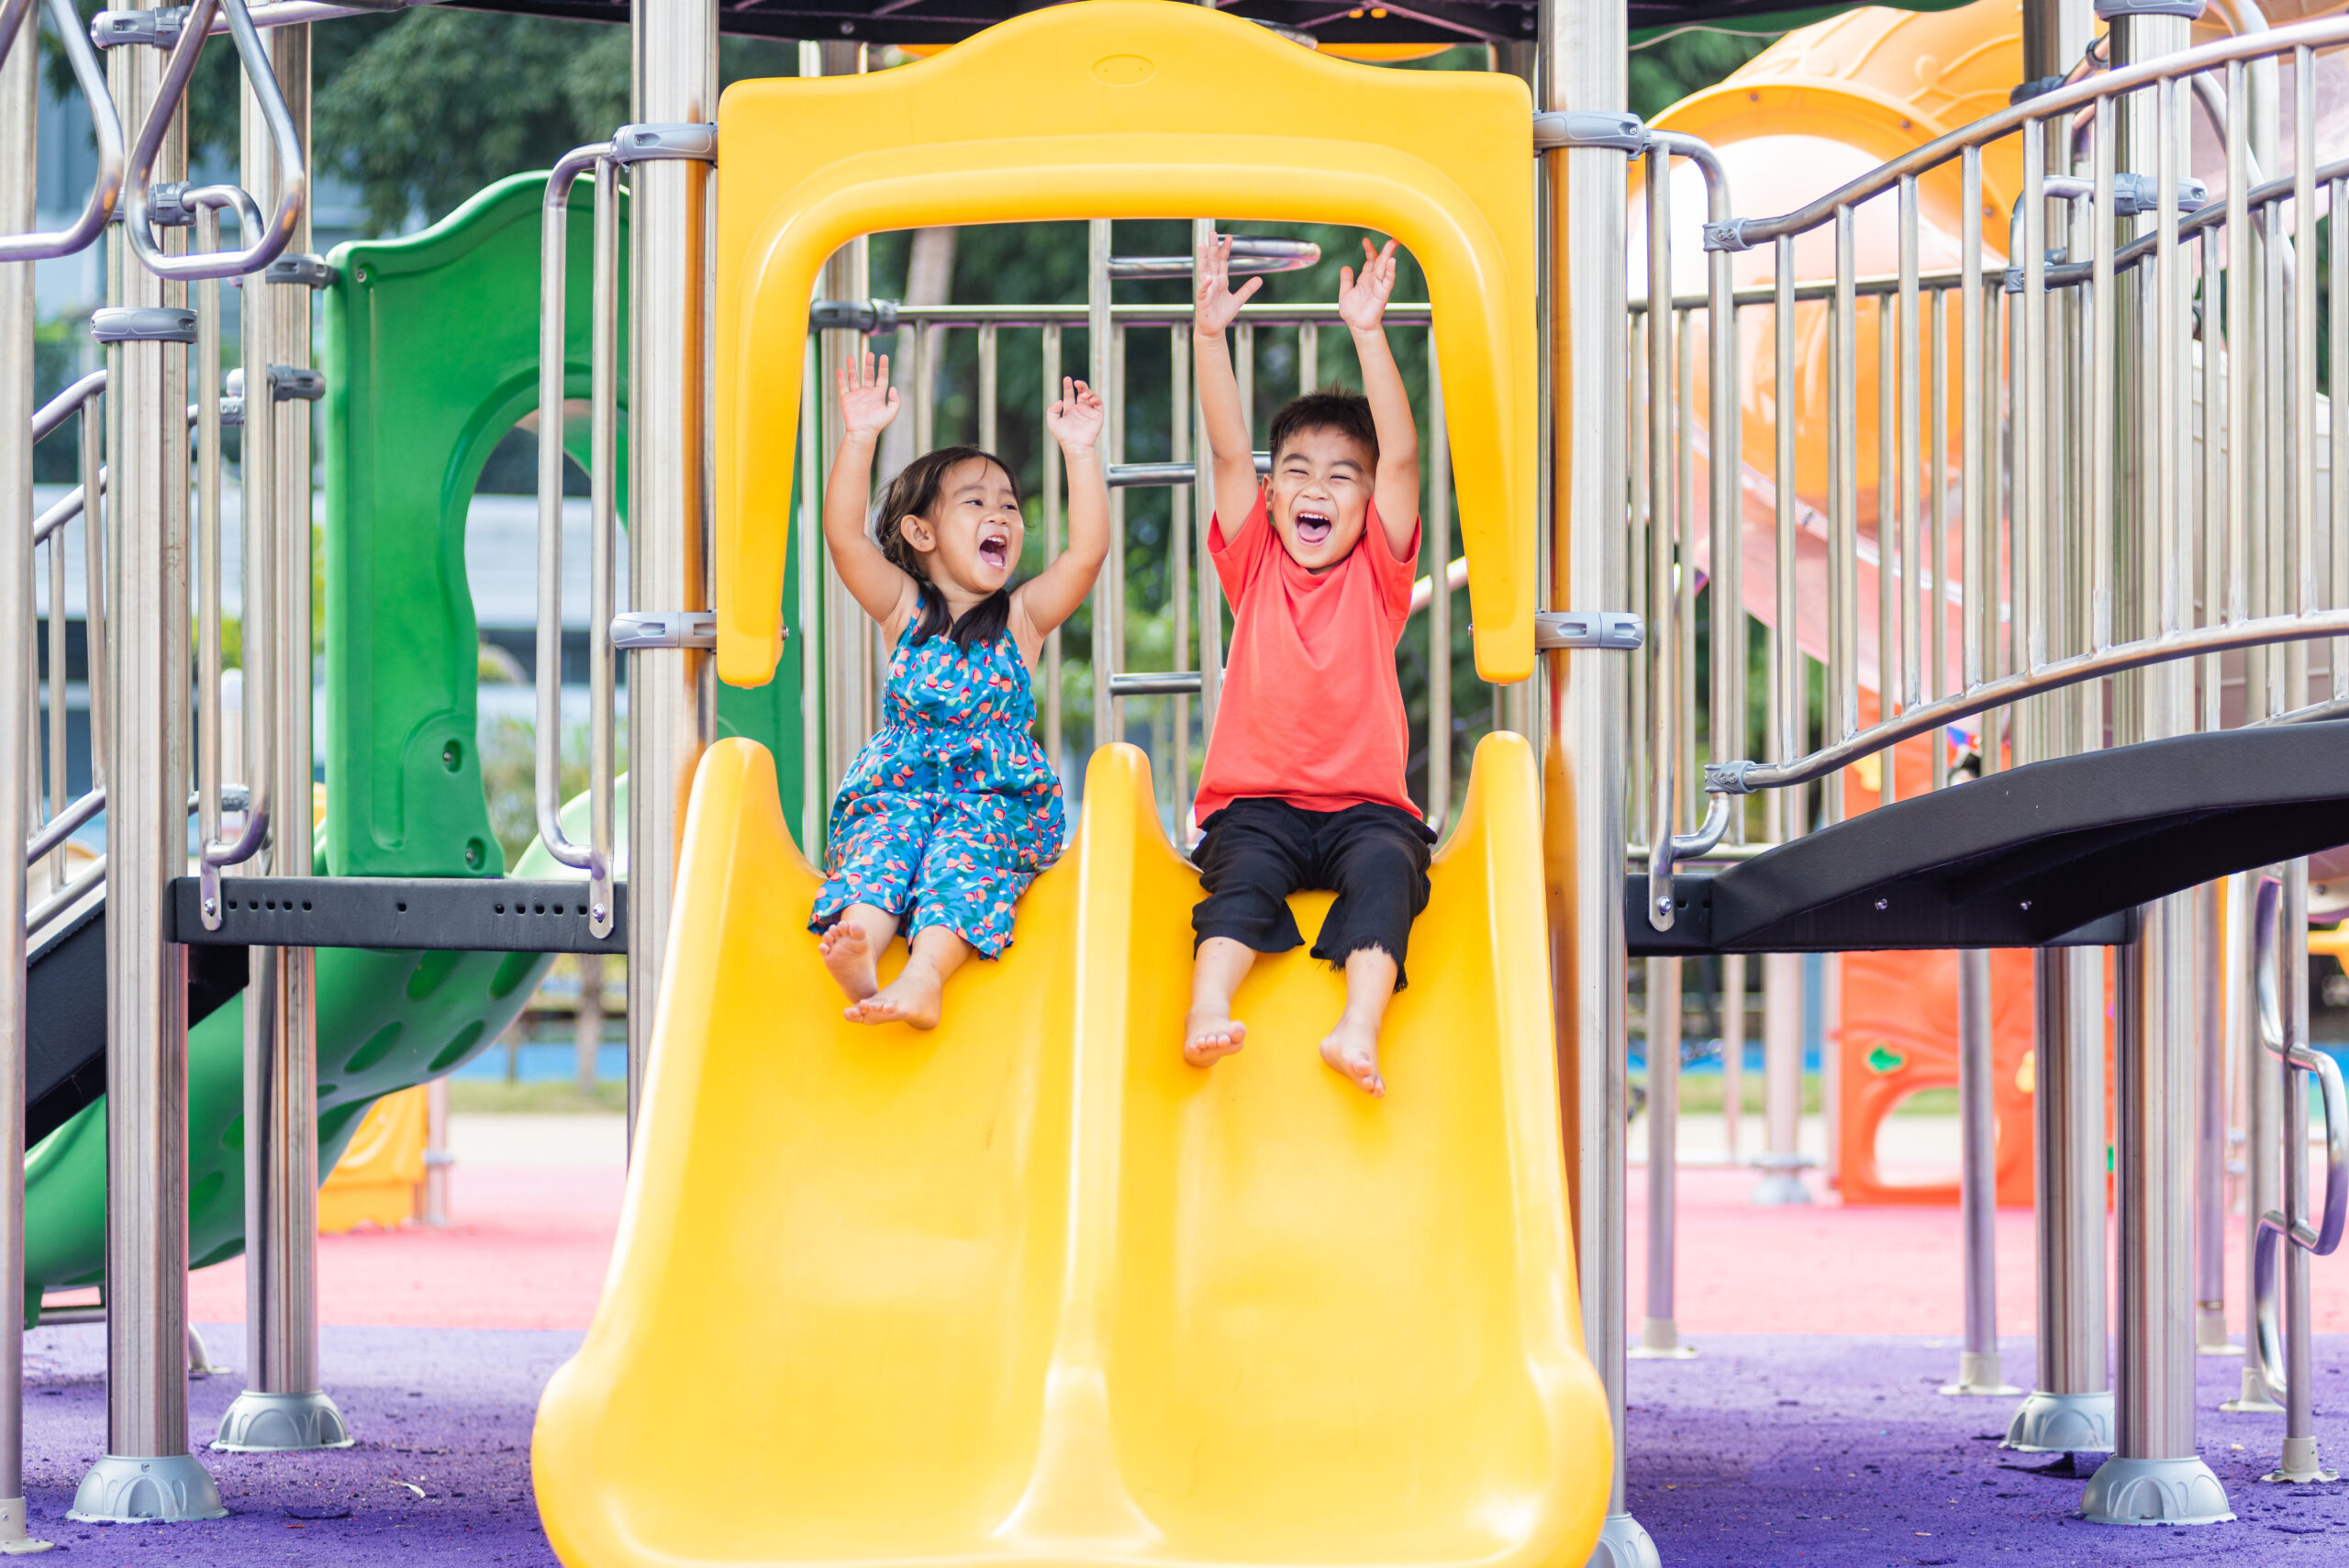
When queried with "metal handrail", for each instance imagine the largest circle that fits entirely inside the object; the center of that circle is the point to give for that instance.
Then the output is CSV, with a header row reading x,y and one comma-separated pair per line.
x,y
106,130
2323,34
1746,777
2277,1228
266,241
63,406
594,857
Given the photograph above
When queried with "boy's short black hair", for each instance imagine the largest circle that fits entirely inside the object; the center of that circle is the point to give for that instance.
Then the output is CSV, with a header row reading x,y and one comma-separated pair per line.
x,y
1348,413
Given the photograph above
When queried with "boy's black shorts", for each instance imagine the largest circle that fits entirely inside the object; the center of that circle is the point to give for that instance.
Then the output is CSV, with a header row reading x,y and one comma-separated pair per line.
x,y
1258,851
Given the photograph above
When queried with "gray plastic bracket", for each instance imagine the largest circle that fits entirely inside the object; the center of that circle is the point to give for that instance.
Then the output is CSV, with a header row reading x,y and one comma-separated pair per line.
x,y
1727,234
167,205
694,140
873,317
289,384
1617,131
634,629
2136,194
143,324
1727,778
306,271
232,413
2106,10
1617,630
159,28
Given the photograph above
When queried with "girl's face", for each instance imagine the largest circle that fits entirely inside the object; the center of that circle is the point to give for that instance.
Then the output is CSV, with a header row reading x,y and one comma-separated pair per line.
x,y
970,543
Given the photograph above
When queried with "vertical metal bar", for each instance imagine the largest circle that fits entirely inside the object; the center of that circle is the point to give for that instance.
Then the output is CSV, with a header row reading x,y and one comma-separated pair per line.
x,y
2337,431
1888,564
671,691
2263,1109
927,341
2299,1461
602,531
846,665
1114,571
1581,51
1936,557
1438,555
1972,423
1210,590
1100,360
60,735
147,846
1842,495
1178,563
1689,774
1244,356
1786,739
95,511
1979,1369
1660,1331
2211,1130
1782,1161
1640,520
1732,1011
987,362
2240,351
1308,358
20,102
1047,458
205,372
2103,330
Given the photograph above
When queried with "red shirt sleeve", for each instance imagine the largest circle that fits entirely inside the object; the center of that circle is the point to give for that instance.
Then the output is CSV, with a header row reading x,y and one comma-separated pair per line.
x,y
1391,573
1239,557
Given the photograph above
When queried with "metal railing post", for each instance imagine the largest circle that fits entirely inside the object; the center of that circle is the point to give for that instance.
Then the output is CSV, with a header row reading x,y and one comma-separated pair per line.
x,y
1979,1369
1660,1330
19,100
672,691
147,1471
284,1404
1581,46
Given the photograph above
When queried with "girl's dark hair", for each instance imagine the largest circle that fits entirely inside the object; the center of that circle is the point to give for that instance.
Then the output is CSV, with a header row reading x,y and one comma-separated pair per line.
x,y
913,494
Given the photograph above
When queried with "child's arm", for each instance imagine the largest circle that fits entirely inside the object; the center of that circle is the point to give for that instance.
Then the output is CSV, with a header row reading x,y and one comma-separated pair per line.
x,y
867,404
1362,302
1052,595
1228,442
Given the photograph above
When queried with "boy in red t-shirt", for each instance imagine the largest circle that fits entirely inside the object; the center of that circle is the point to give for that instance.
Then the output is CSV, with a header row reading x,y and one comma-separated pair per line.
x,y
1303,782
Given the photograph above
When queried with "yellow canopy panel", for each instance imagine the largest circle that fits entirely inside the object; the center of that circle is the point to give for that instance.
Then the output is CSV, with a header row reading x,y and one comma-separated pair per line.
x,y
1129,108
1029,1290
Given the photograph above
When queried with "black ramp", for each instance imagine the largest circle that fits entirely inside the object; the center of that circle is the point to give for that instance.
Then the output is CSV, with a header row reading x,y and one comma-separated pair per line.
x,y
2051,852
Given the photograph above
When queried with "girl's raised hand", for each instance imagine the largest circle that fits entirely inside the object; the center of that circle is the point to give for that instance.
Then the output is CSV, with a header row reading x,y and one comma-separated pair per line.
x,y
1362,301
1219,307
867,400
1076,416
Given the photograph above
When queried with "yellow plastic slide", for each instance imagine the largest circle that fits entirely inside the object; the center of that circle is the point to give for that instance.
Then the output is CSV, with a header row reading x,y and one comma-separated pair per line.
x,y
1028,1289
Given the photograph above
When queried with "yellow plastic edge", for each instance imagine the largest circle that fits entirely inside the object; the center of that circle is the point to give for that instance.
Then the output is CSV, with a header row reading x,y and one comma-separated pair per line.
x,y
1129,109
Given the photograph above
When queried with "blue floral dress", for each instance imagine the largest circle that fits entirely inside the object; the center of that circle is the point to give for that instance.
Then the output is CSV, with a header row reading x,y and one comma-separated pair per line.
x,y
951,809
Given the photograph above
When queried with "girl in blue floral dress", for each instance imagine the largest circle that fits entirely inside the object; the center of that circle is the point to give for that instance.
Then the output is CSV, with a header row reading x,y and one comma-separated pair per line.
x,y
951,809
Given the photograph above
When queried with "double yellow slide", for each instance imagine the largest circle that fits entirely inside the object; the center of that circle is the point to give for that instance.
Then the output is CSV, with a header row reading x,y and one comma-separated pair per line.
x,y
1028,1289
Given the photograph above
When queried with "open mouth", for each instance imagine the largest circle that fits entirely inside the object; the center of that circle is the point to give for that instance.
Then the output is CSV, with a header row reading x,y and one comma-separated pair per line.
x,y
995,553
1313,528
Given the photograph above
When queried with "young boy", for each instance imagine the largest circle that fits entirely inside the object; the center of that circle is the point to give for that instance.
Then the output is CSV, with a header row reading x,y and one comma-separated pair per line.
x,y
1303,782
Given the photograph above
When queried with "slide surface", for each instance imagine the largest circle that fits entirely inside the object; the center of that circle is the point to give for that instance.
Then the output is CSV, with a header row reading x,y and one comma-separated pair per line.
x,y
1028,1289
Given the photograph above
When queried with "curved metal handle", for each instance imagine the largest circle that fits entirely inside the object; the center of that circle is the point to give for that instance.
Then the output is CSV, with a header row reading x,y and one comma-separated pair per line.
x,y
2327,1235
105,128
265,242
594,857
2267,1305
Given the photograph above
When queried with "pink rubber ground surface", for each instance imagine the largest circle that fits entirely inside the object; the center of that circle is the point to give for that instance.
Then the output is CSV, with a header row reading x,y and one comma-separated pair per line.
x,y
527,1247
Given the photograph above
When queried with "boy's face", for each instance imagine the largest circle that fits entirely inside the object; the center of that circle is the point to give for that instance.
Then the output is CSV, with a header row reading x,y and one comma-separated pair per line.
x,y
1318,496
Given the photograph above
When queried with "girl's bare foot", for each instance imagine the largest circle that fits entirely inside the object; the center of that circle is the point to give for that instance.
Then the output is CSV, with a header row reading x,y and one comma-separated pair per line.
x,y
1211,1034
849,956
1352,1049
911,998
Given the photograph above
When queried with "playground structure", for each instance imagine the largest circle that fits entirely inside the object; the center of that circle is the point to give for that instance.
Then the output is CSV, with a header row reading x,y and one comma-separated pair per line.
x,y
2017,489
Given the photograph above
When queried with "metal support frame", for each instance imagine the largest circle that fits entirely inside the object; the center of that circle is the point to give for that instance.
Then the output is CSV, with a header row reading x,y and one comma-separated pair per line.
x,y
1660,1329
19,100
1782,1161
1979,1369
1580,50
147,1471
672,691
284,1404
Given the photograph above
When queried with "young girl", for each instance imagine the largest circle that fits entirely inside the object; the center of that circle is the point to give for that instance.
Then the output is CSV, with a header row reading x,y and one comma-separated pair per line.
x,y
951,809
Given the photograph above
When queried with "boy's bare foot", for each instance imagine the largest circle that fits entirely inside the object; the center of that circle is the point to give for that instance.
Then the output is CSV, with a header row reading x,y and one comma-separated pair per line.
x,y
851,958
1211,1034
911,998
1352,1049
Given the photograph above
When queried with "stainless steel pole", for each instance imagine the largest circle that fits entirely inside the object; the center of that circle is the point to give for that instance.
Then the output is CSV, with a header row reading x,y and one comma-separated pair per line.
x,y
2299,1462
2155,1475
2261,1088
1781,1160
147,1471
672,691
2211,976
283,1404
1979,1370
1581,57
20,102
1660,1330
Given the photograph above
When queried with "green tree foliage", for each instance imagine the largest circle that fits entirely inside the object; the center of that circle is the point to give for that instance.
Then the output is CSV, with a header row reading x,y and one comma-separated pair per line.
x,y
1668,68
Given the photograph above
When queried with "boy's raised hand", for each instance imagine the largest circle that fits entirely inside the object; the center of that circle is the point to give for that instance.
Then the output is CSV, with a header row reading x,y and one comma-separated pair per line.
x,y
1219,306
1362,301
1076,416
867,400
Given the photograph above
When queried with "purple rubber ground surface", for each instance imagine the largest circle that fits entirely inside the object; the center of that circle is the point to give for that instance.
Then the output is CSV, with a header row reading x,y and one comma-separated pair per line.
x,y
1785,1448
1766,1449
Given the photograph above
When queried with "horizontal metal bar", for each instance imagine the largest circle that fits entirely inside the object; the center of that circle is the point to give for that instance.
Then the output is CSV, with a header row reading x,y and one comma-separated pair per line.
x,y
1151,475
1887,283
1154,683
63,826
89,878
441,914
63,407
1402,313
1620,631
79,1312
1251,256
1743,778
